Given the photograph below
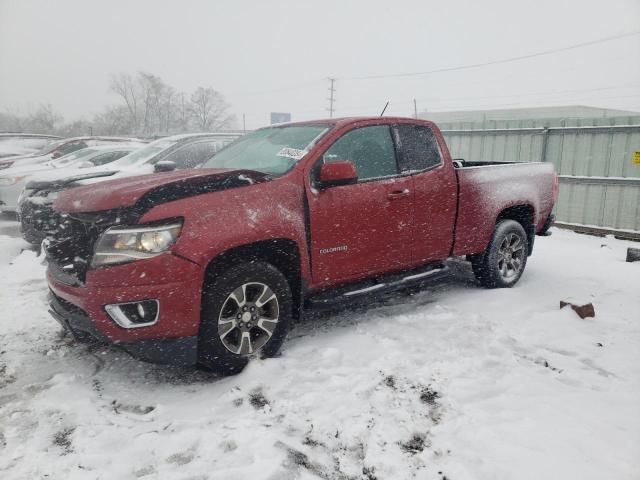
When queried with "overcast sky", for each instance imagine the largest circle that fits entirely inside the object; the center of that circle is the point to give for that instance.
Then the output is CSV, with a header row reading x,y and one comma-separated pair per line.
x,y
276,55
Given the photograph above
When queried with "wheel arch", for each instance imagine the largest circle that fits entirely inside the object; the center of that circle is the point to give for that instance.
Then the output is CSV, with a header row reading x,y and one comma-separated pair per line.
x,y
282,253
524,214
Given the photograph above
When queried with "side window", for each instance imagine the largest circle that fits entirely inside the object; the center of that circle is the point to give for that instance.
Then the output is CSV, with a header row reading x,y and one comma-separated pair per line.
x,y
419,148
192,155
70,147
107,158
369,148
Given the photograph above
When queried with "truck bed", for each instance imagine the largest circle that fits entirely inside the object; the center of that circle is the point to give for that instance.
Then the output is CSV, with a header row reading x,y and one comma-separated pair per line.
x,y
487,188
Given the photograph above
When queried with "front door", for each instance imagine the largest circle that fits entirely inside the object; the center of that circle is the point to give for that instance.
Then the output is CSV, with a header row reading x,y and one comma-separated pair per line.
x,y
362,229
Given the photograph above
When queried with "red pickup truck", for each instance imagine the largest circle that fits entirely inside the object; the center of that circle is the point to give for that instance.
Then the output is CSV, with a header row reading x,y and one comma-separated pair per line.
x,y
212,266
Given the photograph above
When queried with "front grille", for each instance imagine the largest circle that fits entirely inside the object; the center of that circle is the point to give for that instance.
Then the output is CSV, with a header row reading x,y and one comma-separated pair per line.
x,y
70,246
39,218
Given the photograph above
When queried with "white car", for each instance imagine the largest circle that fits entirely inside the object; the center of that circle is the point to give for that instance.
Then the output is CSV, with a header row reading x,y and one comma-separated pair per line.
x,y
13,180
18,144
62,147
37,217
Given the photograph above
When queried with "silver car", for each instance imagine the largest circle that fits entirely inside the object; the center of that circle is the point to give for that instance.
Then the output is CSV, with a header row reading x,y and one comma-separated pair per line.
x,y
13,180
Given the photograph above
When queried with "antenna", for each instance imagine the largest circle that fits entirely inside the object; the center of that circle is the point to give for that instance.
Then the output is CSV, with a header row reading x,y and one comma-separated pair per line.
x,y
384,109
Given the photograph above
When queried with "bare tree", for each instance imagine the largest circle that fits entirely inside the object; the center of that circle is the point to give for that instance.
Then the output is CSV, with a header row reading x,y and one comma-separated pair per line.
x,y
149,102
147,106
209,110
43,120
114,120
152,90
11,122
124,85
75,128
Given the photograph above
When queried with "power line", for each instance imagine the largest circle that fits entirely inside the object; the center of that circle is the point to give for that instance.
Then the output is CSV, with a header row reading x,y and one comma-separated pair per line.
x,y
495,62
440,70
372,108
439,100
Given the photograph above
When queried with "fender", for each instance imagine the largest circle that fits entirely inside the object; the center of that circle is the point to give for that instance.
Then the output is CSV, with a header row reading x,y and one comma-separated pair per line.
x,y
224,220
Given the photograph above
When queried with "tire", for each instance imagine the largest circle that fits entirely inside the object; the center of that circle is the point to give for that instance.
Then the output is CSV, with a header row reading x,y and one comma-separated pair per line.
x,y
501,265
234,329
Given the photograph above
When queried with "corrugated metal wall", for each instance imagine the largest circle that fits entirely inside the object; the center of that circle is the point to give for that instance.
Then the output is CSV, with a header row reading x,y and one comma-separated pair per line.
x,y
599,182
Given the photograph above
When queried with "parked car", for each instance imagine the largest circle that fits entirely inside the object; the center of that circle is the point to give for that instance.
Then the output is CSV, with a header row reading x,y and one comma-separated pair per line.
x,y
213,265
177,152
16,144
63,147
13,180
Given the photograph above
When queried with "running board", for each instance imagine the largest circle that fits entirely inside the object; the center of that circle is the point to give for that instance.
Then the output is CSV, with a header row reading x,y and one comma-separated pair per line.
x,y
377,287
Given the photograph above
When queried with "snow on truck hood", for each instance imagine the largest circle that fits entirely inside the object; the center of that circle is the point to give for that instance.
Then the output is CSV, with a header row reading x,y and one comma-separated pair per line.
x,y
65,175
63,179
153,189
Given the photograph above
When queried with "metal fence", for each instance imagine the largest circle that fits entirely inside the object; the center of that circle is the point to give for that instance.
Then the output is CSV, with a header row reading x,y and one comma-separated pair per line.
x,y
599,174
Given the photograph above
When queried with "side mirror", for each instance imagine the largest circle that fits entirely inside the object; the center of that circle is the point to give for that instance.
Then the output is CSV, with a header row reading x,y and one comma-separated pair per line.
x,y
334,174
165,166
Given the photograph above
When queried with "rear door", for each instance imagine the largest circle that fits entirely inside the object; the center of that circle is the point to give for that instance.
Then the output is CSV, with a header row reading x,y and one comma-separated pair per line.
x,y
435,192
365,228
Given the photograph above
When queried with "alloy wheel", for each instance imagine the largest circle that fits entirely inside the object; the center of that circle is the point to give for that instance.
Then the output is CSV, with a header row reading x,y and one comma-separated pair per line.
x,y
248,318
510,256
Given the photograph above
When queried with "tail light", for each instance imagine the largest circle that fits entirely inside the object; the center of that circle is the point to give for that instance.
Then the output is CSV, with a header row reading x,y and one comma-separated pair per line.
x,y
556,186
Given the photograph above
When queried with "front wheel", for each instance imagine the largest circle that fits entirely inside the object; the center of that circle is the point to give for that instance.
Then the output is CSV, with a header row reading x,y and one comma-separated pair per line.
x,y
502,263
247,311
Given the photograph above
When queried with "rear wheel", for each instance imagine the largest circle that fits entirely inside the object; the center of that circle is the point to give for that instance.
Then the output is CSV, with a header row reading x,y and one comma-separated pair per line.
x,y
503,262
247,311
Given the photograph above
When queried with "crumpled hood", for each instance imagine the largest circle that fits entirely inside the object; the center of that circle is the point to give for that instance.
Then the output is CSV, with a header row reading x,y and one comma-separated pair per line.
x,y
154,189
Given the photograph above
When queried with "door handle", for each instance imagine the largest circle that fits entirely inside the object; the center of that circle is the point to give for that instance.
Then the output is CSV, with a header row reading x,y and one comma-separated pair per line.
x,y
398,194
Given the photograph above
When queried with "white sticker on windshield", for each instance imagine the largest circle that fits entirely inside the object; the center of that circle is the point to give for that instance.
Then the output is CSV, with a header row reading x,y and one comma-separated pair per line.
x,y
292,153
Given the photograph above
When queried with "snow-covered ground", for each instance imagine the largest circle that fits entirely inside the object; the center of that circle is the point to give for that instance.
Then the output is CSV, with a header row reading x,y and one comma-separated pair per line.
x,y
454,382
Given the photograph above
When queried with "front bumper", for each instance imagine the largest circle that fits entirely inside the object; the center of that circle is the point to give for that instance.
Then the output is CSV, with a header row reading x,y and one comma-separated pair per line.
x,y
179,351
80,308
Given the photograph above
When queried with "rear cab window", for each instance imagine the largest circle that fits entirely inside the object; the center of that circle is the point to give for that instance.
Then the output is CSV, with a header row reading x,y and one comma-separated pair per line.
x,y
418,148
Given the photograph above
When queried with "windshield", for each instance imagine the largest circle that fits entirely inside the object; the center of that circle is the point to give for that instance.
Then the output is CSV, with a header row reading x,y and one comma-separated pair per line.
x,y
72,157
272,150
145,154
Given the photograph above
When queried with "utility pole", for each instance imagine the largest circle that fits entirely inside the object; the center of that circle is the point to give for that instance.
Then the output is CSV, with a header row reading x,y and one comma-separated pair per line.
x,y
415,108
331,96
244,124
168,113
183,126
